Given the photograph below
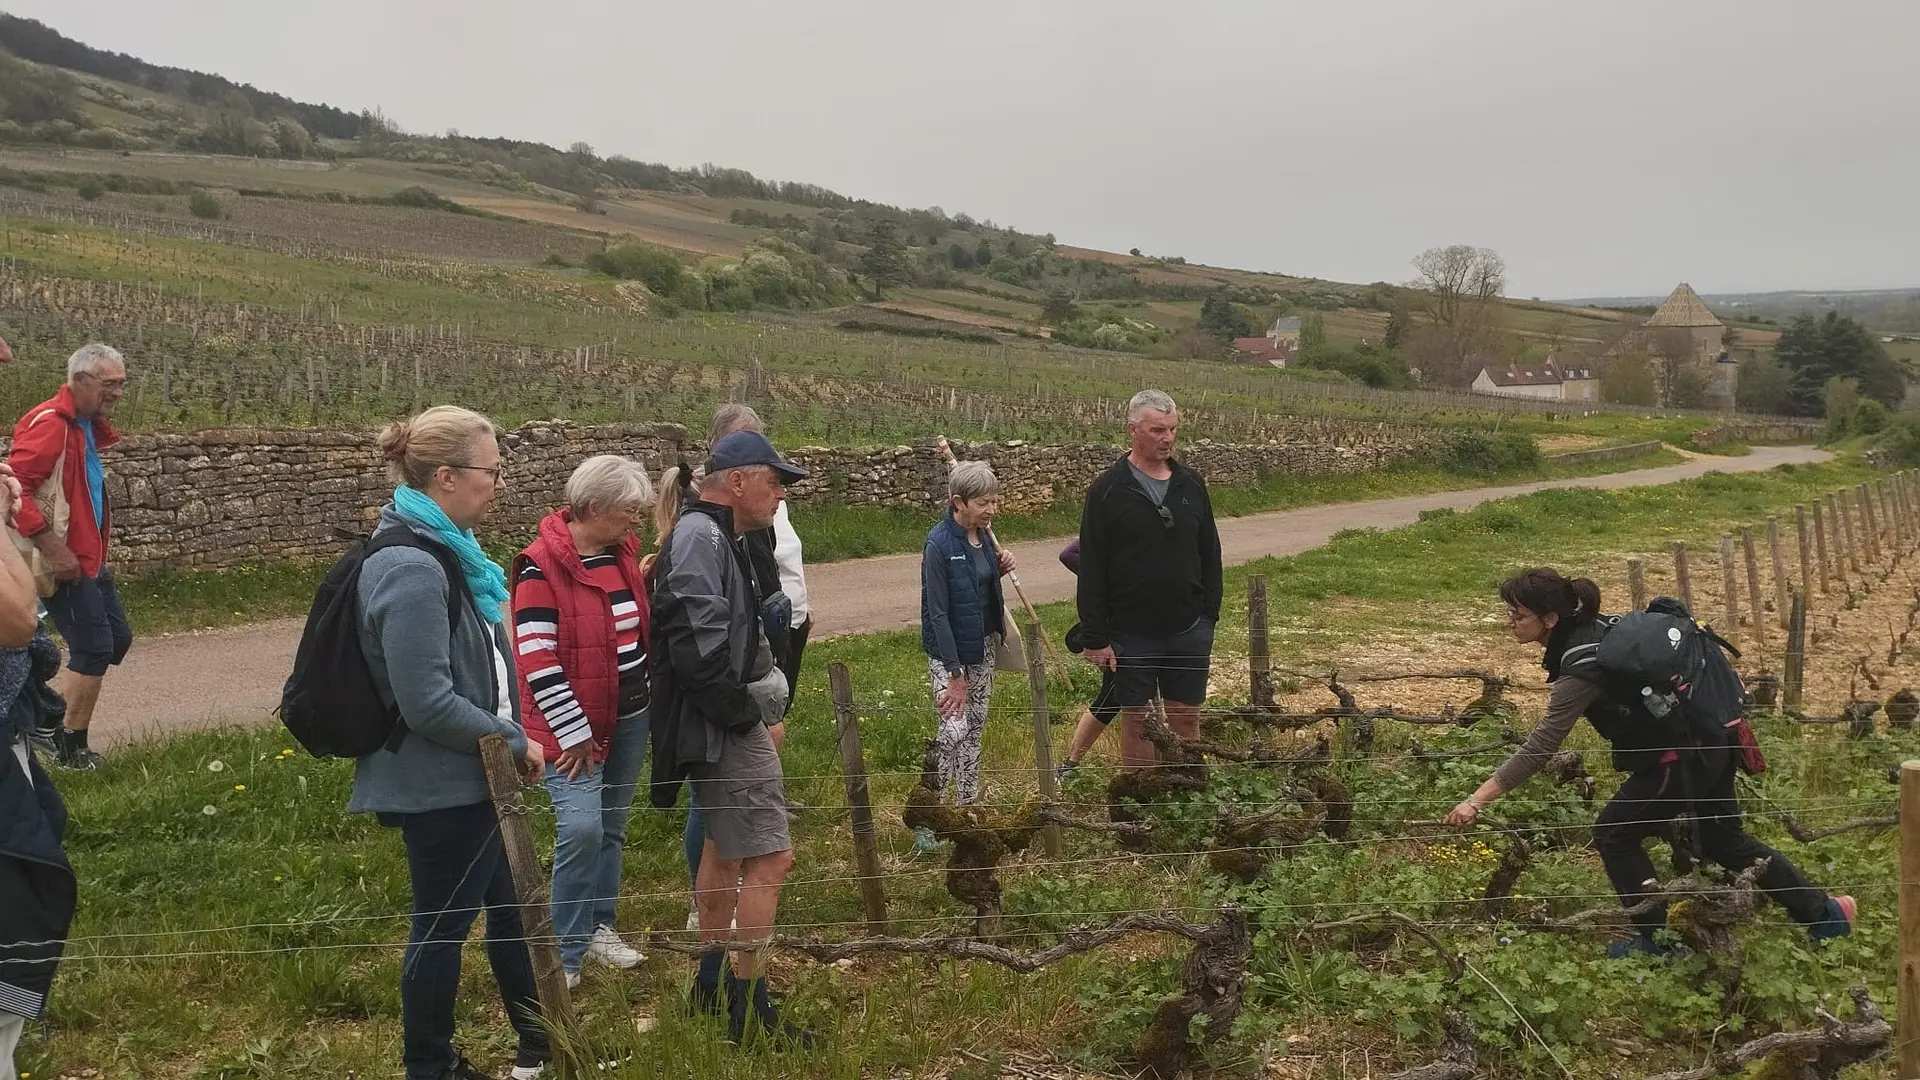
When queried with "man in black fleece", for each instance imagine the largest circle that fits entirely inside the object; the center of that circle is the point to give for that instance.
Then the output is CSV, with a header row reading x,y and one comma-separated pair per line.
x,y
1149,585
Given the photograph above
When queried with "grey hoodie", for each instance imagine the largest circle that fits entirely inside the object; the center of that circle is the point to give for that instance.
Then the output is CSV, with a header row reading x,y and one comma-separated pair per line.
x,y
446,687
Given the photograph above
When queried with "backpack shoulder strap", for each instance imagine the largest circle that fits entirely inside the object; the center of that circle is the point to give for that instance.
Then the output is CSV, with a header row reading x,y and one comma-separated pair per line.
x,y
449,564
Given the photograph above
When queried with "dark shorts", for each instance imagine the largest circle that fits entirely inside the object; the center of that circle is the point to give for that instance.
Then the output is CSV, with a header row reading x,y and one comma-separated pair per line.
x,y
743,797
88,614
1106,703
1176,667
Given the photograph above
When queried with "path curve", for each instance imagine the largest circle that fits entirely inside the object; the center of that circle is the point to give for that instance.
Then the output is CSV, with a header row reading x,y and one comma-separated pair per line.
x,y
187,681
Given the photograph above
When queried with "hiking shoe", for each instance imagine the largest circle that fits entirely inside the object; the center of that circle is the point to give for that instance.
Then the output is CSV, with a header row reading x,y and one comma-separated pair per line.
x,y
467,1070
925,842
529,1065
1836,921
573,980
70,751
607,947
1637,946
45,741
693,919
753,1013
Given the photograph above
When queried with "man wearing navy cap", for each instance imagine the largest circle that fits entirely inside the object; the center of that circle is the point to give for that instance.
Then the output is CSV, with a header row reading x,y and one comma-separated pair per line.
x,y
715,688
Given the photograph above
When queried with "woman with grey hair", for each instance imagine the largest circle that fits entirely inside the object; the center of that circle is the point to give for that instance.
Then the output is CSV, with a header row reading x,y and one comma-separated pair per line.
x,y
961,613
580,622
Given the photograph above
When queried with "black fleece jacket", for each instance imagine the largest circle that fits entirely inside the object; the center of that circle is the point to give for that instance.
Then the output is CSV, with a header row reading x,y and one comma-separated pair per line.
x,y
1142,573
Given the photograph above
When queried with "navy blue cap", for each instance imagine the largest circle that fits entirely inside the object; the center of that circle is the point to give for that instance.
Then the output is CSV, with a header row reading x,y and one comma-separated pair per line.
x,y
740,449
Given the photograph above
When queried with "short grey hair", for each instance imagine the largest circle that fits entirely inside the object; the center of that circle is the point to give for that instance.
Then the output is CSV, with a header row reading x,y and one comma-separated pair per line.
x,y
88,357
606,481
733,416
714,479
972,480
1149,401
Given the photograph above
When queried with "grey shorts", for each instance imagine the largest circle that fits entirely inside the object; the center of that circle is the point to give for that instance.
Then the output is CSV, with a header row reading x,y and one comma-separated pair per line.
x,y
743,796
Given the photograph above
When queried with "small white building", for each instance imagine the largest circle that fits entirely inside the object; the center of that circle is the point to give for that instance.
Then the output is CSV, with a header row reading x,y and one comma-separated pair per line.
x,y
1557,378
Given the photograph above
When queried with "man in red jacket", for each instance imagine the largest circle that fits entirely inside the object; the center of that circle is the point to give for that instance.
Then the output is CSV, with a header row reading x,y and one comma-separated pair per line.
x,y
66,517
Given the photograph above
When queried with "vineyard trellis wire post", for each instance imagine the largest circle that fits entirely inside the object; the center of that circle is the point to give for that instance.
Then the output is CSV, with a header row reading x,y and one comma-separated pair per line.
x,y
1729,591
1682,578
1868,526
1259,658
1907,1029
1042,727
1637,583
1795,667
1805,548
1779,562
1757,604
853,764
1896,533
1843,533
536,904
1820,546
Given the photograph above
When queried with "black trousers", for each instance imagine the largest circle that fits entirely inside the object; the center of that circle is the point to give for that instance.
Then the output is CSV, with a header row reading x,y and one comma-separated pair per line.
x,y
459,868
1646,806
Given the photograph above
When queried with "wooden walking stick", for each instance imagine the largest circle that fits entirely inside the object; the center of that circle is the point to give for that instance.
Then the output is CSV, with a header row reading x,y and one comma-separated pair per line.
x,y
1033,617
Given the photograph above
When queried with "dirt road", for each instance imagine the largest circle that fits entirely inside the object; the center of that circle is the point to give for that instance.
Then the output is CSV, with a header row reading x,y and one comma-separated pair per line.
x,y
187,681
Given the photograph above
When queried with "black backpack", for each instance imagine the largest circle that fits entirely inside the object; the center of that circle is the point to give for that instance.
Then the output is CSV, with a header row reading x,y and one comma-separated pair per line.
x,y
1678,673
330,704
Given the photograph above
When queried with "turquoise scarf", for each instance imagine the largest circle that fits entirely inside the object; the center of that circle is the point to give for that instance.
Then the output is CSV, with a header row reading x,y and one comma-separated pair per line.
x,y
485,580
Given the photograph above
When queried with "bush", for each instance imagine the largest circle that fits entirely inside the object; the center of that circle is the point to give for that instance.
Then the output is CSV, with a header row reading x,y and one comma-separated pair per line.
x,y
1481,453
90,189
1902,438
653,267
203,205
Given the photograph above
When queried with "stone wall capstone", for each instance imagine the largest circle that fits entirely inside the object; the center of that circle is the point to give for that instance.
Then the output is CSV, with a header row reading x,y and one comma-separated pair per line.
x,y
220,498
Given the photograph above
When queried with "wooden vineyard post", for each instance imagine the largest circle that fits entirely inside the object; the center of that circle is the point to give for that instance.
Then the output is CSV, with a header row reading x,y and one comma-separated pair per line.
x,y
530,885
1843,532
1868,527
1042,731
1729,591
1796,665
1820,548
1259,660
1805,548
1907,1028
1637,583
1682,578
1779,562
1890,520
1757,605
853,766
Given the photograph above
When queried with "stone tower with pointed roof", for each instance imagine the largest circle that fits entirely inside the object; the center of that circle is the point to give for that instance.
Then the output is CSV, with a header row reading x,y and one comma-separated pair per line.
x,y
1684,311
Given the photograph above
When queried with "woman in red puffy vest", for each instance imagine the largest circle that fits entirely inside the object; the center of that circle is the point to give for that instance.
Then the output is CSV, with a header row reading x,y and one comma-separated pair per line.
x,y
580,629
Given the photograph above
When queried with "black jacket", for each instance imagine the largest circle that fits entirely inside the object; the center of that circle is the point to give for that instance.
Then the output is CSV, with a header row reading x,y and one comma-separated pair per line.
x,y
1140,573
705,644
36,882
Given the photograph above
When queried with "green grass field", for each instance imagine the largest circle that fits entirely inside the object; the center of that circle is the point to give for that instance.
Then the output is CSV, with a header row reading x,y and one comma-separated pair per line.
x,y
223,865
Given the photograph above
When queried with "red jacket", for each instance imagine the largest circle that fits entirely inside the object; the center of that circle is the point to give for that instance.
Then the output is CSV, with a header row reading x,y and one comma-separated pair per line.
x,y
575,635
37,441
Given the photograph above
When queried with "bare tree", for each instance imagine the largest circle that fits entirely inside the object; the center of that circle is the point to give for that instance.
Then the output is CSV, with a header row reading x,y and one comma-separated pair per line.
x,y
1462,287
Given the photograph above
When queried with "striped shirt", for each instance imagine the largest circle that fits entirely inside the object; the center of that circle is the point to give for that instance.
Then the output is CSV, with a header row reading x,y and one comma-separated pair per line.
x,y
536,629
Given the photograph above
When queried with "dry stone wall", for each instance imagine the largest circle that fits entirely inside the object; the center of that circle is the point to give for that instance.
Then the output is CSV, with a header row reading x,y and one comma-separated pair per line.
x,y
220,498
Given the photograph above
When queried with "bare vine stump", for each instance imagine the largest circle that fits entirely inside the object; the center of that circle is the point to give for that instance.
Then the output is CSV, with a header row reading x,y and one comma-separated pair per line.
x,y
1214,980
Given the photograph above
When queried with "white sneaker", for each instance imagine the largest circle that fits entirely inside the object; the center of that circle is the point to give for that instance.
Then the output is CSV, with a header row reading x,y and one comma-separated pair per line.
x,y
693,919
532,1072
573,983
607,947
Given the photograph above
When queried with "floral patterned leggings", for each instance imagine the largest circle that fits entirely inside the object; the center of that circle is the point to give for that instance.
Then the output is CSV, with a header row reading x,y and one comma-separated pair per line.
x,y
957,740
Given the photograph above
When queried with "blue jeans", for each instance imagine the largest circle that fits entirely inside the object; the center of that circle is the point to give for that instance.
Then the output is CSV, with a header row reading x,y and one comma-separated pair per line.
x,y
592,829
458,867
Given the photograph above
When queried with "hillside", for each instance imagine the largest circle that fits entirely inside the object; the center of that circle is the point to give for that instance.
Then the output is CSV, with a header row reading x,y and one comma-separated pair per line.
x,y
135,136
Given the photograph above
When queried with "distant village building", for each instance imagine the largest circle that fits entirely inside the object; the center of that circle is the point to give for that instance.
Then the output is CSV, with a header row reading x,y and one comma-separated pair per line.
x,y
1685,331
1283,337
1560,377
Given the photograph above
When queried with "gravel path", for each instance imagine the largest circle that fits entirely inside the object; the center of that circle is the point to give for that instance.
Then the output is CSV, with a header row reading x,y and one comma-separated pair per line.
x,y
182,682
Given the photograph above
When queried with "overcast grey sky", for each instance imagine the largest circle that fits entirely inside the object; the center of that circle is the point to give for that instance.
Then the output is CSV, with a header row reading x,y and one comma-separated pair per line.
x,y
1601,146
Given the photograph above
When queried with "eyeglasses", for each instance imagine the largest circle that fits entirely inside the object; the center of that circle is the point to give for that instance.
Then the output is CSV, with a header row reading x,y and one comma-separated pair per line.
x,y
1516,616
1166,517
107,384
498,472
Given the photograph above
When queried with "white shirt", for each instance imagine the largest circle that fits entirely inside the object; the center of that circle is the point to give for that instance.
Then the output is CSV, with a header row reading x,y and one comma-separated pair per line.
x,y
786,554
